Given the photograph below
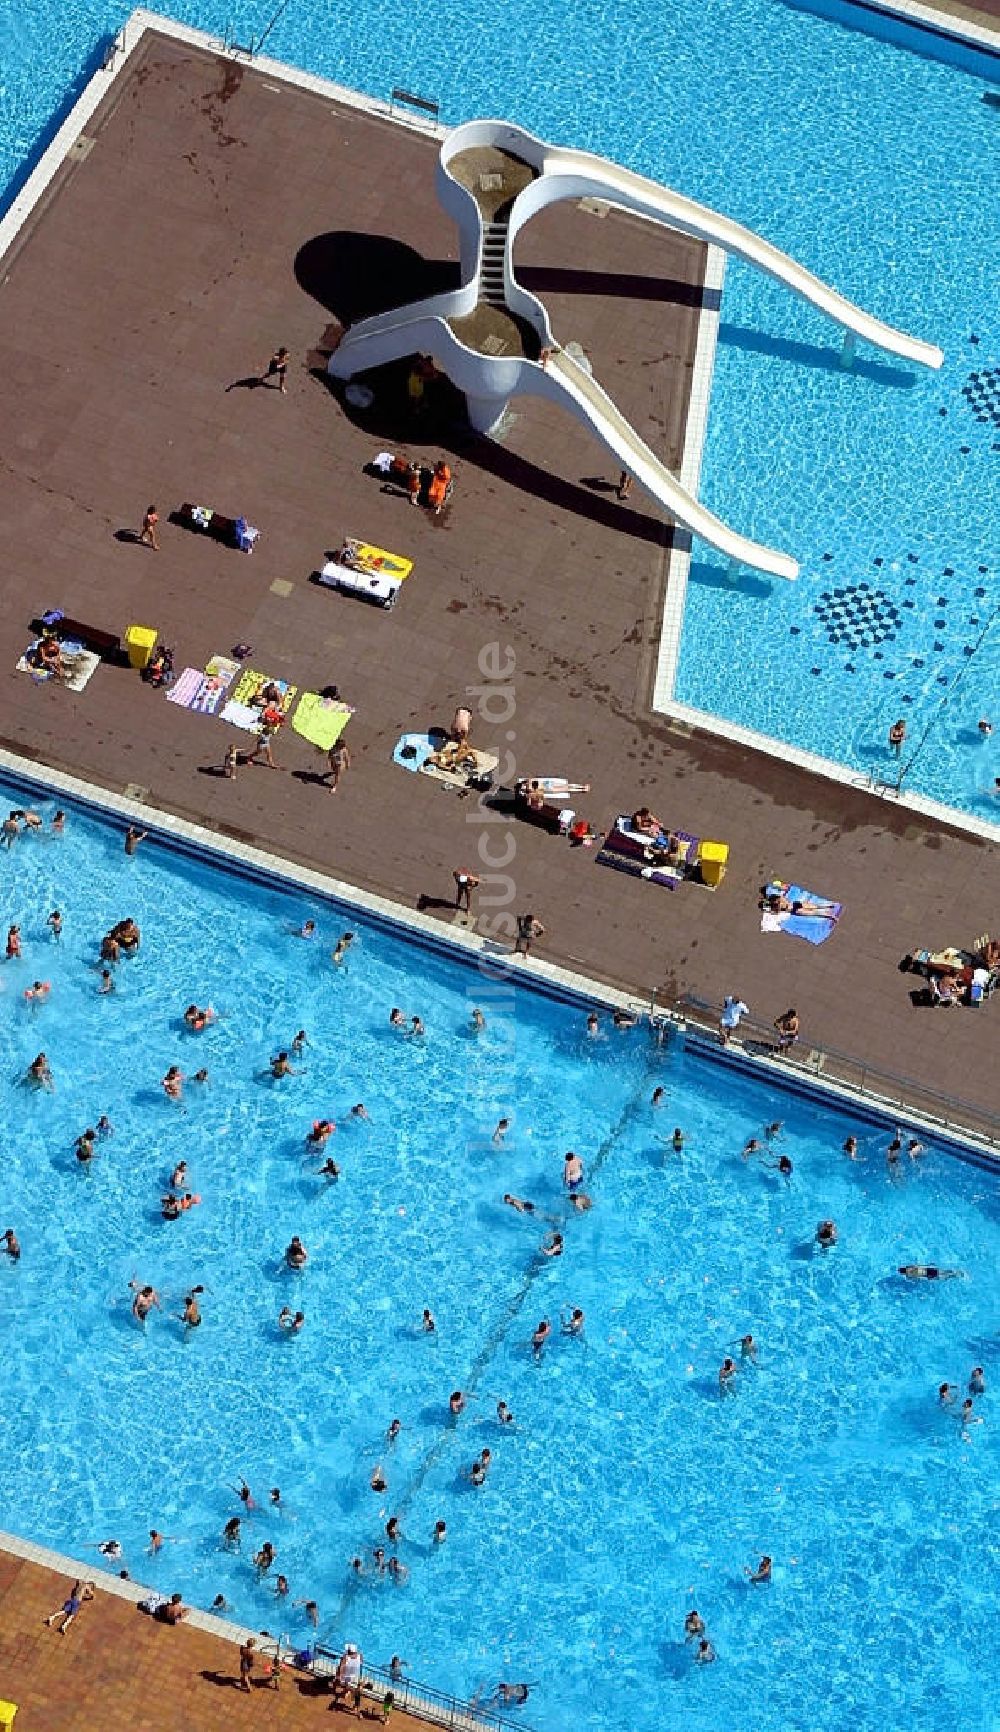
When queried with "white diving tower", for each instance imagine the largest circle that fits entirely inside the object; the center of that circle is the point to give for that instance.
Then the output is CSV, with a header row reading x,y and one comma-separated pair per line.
x,y
493,340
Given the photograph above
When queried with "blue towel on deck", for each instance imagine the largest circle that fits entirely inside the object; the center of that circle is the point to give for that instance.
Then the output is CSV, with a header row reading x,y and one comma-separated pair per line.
x,y
814,928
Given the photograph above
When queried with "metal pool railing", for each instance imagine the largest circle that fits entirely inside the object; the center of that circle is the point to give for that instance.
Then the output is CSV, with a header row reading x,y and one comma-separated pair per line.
x,y
422,1700
881,1088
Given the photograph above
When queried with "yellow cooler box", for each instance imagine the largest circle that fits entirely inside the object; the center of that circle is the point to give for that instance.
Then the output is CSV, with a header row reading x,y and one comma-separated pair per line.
x,y
712,857
140,641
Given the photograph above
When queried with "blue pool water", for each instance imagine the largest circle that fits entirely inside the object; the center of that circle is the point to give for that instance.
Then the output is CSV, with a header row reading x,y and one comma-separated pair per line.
x,y
628,1491
870,163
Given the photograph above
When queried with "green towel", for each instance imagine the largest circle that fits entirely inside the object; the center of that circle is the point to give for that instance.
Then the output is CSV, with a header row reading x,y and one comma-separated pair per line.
x,y
321,721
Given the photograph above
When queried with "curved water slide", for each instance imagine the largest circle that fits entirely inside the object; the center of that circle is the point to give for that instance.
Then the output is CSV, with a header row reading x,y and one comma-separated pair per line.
x,y
490,381
584,176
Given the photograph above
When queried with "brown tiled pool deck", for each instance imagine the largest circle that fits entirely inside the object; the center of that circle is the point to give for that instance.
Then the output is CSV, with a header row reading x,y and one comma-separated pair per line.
x,y
118,1671
218,214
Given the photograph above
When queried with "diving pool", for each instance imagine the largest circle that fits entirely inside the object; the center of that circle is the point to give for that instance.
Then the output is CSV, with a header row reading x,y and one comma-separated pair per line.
x,y
627,1491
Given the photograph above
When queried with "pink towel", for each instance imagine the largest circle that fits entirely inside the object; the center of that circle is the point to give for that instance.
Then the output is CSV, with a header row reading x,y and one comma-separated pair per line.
x,y
185,688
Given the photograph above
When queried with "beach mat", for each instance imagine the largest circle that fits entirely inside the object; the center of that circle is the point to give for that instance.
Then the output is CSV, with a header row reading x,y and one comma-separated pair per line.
x,y
634,867
485,763
321,721
814,928
411,751
80,665
185,687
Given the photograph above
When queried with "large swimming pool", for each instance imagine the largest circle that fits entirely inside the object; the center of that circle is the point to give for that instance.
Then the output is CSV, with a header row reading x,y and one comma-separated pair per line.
x,y
871,164
627,1491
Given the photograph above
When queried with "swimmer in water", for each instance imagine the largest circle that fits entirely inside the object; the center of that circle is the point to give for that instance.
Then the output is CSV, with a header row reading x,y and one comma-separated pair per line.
x,y
394,1430
311,1610
299,1043
280,1066
321,1130
774,1129
173,1083
231,1535
477,1022
659,1097
245,1495
396,1018
967,1415
392,1529
329,1170
977,1381
35,994
704,1653
378,1481
727,1376
84,1146
782,1165
397,1669
503,1126
826,1235
440,1532
308,929
281,1587
748,1349
504,1415
179,1176
540,1337
553,1246
12,1245
572,1171
200,1076
456,1403
39,1074
220,1606
263,1559
947,1394
361,1112
13,943
296,1255
274,1499
107,981
290,1321
338,954
580,1202
54,923
573,1324
915,1148
521,1204
104,1127
197,1018
850,1148
427,1322
929,1272
677,1140
694,1626
146,1300
133,836
155,1542
593,1025
416,1029
762,1573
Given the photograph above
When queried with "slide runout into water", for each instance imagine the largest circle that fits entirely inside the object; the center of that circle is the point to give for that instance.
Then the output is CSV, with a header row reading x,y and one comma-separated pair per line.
x,y
586,398
620,186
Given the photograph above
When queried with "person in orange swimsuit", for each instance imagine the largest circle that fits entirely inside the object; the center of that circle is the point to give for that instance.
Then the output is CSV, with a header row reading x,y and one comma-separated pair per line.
x,y
437,492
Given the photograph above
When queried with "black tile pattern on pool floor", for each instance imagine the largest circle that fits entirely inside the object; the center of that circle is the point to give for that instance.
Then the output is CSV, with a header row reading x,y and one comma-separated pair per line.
x,y
982,393
858,616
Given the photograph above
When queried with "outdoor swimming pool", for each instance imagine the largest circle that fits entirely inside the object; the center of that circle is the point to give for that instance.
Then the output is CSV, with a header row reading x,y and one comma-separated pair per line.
x,y
869,163
627,1491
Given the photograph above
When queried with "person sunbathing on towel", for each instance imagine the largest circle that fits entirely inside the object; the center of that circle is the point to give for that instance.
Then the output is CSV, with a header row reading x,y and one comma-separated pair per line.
x,y
644,821
780,904
49,653
453,755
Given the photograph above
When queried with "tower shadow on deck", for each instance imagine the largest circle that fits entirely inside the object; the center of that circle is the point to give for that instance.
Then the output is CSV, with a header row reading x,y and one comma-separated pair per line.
x,y
355,276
